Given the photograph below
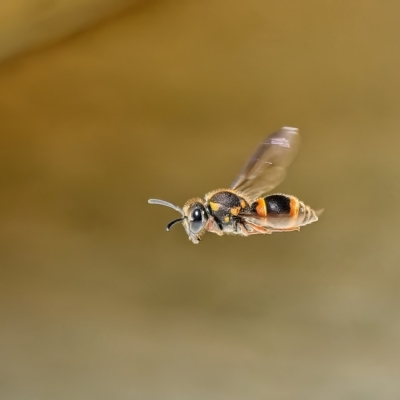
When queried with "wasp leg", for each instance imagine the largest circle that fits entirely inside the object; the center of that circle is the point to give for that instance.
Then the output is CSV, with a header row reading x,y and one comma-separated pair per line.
x,y
243,230
213,226
253,229
237,225
296,228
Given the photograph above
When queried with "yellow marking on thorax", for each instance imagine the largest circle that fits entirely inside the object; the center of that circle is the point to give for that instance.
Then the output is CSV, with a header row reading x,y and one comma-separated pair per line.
x,y
235,210
214,206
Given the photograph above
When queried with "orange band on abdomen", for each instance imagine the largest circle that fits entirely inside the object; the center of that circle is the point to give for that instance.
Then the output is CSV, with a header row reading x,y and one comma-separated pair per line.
x,y
294,207
261,208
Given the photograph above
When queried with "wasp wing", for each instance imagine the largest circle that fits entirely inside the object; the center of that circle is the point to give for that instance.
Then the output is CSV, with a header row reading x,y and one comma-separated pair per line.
x,y
266,168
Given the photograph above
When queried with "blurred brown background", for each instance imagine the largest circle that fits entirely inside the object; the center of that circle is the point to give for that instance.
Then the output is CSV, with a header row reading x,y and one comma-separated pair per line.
x,y
167,99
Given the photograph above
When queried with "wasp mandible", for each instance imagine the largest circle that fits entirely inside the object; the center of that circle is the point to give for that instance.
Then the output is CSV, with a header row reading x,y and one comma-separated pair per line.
x,y
244,209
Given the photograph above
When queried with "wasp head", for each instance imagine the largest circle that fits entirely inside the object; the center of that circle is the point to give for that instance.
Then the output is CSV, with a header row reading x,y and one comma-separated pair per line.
x,y
194,217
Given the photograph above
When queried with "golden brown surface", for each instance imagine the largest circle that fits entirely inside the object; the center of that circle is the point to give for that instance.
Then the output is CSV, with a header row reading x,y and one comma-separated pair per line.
x,y
97,301
26,24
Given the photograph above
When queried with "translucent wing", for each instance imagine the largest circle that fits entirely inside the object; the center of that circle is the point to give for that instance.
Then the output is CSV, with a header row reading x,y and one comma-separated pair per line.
x,y
266,168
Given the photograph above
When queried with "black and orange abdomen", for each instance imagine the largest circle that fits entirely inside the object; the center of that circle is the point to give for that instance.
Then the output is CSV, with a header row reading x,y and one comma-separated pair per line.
x,y
283,211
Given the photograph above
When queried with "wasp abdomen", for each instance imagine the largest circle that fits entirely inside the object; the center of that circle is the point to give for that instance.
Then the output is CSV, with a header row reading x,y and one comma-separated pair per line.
x,y
283,211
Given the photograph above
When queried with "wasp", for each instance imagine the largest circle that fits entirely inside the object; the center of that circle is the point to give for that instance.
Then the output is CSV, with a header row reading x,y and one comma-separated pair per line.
x,y
244,209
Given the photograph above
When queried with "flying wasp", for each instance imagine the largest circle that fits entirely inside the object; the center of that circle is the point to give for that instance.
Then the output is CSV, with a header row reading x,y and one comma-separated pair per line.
x,y
244,209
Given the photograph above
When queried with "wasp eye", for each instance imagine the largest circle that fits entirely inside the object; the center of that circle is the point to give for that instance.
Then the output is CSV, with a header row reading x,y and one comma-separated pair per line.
x,y
196,220
197,215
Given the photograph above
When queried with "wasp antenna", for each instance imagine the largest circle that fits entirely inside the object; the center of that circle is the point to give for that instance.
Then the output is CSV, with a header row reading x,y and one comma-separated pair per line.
x,y
166,204
172,223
